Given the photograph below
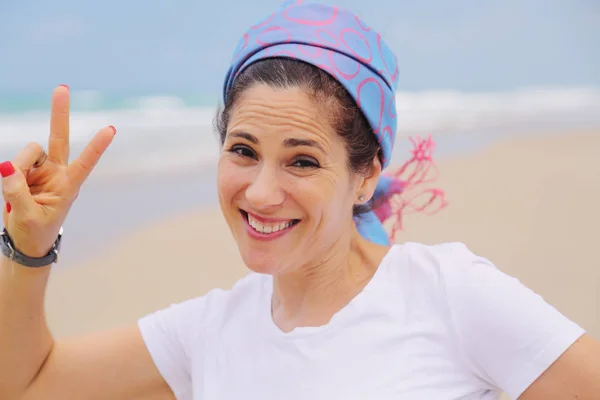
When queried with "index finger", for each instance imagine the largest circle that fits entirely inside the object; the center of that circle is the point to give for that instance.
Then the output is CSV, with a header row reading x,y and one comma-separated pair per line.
x,y
58,145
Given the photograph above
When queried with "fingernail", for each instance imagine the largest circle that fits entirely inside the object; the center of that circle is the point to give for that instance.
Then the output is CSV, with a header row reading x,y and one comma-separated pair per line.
x,y
113,129
63,85
8,208
6,169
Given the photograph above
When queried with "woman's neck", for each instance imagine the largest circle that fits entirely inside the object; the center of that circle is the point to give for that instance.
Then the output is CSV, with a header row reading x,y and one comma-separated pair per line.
x,y
313,294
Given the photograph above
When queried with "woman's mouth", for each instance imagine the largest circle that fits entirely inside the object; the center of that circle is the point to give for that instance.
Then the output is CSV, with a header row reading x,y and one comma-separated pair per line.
x,y
267,229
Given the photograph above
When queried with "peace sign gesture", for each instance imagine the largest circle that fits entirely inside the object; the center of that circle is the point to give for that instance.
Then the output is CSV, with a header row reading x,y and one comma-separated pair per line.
x,y
39,188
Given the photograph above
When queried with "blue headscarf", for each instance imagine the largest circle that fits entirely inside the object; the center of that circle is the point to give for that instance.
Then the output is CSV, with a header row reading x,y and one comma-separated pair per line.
x,y
338,42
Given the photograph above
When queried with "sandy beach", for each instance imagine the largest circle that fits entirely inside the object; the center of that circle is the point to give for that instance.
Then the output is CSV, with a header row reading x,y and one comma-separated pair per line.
x,y
528,204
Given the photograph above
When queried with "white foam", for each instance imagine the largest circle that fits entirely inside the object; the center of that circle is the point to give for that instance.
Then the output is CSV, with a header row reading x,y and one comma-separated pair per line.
x,y
439,111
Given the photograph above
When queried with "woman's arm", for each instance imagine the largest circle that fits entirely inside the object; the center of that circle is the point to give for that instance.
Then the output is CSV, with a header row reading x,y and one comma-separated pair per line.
x,y
574,375
106,365
24,337
109,365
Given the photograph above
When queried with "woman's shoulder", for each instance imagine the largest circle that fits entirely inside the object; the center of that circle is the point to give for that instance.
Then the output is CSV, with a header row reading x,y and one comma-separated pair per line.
x,y
466,284
437,260
451,273
215,304
443,251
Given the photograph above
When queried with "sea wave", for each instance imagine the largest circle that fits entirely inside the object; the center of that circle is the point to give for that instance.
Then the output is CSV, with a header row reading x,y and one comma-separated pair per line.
x,y
158,132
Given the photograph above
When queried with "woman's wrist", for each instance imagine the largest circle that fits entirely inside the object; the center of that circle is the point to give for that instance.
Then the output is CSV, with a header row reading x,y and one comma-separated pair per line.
x,y
13,268
38,258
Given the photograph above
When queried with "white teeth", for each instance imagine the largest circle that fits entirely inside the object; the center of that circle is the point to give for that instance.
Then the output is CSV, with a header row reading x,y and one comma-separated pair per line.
x,y
264,228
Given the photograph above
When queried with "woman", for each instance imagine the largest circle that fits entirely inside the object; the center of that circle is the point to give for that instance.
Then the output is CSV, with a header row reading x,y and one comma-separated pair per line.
x,y
331,310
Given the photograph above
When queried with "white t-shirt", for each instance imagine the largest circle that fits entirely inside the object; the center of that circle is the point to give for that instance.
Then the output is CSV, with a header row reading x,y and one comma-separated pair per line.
x,y
435,322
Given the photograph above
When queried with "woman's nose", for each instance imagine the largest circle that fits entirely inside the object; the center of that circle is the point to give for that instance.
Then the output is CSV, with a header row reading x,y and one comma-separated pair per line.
x,y
265,190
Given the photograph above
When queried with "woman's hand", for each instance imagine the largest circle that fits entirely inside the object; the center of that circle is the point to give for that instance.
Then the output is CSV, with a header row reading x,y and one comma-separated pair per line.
x,y
40,188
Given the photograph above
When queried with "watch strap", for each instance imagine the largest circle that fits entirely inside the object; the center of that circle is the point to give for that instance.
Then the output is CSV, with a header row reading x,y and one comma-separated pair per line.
x,y
8,250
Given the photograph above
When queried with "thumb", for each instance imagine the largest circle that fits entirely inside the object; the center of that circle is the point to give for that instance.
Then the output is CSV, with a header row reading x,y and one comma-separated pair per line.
x,y
15,189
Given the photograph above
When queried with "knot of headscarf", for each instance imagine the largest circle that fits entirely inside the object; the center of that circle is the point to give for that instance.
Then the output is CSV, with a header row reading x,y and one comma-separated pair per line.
x,y
339,43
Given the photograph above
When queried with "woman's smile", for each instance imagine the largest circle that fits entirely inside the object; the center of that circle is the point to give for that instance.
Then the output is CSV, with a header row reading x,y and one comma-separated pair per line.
x,y
262,228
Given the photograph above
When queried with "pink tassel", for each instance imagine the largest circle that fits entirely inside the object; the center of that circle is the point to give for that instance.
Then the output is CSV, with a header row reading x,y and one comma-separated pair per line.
x,y
406,194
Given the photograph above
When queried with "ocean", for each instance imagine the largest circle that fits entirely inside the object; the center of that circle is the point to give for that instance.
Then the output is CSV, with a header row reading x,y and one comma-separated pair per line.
x,y
163,159
168,132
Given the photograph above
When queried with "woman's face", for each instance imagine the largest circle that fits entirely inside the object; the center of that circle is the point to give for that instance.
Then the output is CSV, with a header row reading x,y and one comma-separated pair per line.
x,y
284,186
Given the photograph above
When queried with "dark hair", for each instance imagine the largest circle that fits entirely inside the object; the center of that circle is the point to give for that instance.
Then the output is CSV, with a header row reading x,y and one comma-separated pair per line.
x,y
346,117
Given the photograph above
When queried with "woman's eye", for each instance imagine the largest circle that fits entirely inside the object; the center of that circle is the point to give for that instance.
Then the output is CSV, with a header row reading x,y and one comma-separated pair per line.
x,y
305,163
242,150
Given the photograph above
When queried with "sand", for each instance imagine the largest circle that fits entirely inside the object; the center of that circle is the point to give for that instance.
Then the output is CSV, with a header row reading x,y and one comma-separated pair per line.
x,y
528,204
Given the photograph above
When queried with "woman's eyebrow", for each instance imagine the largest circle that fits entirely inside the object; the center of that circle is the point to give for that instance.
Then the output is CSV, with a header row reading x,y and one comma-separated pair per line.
x,y
291,142
246,136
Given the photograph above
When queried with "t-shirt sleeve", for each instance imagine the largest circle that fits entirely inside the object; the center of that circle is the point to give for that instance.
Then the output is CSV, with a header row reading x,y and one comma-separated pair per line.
x,y
508,333
174,337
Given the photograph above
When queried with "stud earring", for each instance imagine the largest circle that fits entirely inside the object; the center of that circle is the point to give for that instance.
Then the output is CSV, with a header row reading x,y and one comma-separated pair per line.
x,y
361,198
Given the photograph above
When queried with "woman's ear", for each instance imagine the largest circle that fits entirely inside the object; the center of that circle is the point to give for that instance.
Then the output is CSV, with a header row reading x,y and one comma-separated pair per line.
x,y
369,182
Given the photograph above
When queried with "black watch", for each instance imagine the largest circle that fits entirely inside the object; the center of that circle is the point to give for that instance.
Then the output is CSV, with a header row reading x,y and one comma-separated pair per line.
x,y
9,251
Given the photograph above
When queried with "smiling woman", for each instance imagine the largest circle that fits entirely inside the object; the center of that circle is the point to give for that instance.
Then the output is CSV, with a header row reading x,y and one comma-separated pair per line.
x,y
332,308
292,134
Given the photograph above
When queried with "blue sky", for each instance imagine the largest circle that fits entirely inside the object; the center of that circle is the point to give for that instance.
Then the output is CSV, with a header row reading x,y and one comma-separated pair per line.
x,y
175,46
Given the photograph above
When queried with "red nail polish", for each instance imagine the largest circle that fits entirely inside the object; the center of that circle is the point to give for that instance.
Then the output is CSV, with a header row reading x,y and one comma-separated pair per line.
x,y
8,208
113,129
6,169
63,85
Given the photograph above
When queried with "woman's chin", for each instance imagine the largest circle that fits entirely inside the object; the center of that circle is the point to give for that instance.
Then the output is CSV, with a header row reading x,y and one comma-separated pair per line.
x,y
262,261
